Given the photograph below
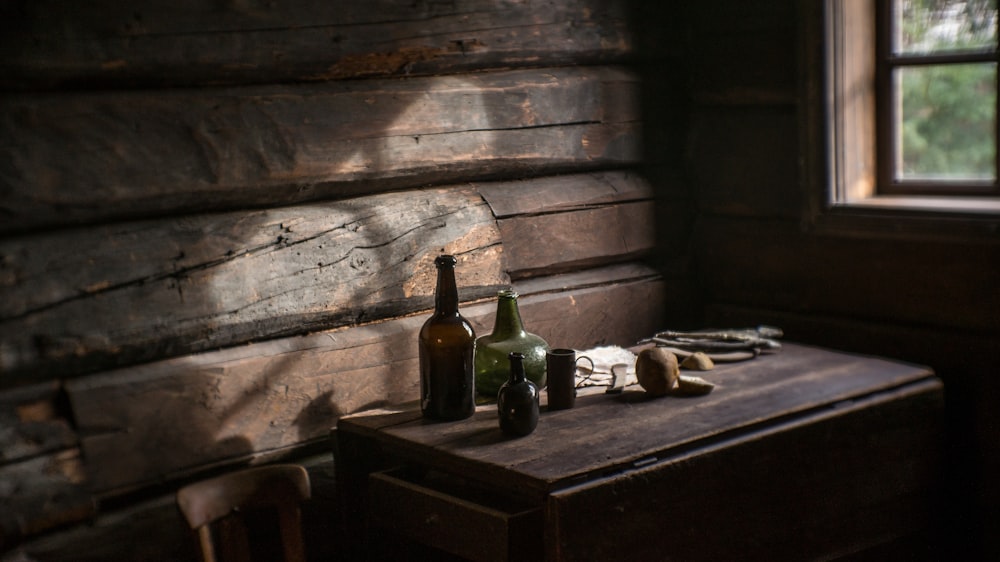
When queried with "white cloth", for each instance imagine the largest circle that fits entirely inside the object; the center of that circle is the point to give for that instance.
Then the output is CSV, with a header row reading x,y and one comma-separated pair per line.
x,y
604,358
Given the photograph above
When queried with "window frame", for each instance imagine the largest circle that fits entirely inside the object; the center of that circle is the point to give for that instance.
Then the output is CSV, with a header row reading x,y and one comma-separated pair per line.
x,y
886,62
838,139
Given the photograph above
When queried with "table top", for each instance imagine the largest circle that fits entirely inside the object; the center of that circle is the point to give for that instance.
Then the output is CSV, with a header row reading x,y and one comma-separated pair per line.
x,y
608,433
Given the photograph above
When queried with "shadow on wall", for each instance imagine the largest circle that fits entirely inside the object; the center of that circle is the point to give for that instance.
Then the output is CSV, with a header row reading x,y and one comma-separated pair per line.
x,y
135,291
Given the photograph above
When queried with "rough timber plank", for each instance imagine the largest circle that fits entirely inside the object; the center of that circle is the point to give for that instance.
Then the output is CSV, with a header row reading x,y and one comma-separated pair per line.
x,y
120,294
863,474
103,297
88,157
154,530
564,241
163,420
148,43
917,282
149,531
33,423
42,493
573,221
564,193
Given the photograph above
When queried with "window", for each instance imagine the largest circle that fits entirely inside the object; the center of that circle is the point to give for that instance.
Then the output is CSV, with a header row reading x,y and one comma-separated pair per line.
x,y
890,72
936,97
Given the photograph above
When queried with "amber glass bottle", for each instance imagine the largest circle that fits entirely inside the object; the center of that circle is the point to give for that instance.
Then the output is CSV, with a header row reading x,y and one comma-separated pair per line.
x,y
447,346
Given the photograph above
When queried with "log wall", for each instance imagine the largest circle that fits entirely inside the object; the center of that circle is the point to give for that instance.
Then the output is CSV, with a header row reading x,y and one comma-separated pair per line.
x,y
751,126
219,223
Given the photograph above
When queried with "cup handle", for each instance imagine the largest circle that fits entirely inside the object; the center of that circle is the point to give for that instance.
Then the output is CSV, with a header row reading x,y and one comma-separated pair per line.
x,y
591,361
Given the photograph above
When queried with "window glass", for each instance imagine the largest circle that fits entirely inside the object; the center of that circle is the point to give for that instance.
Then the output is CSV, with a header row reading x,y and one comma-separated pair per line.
x,y
937,98
925,26
947,122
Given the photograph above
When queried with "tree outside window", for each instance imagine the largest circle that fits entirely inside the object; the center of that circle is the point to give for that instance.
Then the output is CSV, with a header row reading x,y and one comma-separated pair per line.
x,y
937,71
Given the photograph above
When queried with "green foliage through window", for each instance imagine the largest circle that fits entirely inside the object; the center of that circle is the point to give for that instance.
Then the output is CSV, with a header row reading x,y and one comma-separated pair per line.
x,y
946,124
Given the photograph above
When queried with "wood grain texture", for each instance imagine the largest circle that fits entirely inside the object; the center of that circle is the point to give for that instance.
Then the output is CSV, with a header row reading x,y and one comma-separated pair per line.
x,y
959,356
772,265
42,493
146,531
565,241
163,420
750,397
150,43
33,422
130,292
113,295
831,484
569,222
153,530
564,193
481,530
804,451
78,158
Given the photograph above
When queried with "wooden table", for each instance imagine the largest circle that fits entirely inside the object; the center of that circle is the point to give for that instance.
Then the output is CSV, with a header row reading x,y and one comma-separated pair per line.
x,y
800,454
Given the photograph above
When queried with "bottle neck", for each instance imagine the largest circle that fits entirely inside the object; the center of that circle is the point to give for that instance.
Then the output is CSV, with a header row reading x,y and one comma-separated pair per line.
x,y
446,295
508,321
516,367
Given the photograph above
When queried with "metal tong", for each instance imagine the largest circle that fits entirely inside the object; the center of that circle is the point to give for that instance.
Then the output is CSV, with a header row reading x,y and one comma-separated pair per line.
x,y
761,338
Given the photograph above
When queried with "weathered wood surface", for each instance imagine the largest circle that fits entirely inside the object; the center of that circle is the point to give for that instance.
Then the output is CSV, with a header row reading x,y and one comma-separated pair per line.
x,y
33,422
918,286
87,157
749,397
835,483
564,241
148,531
41,474
568,222
163,420
137,291
569,192
769,264
110,44
482,530
840,428
154,530
965,354
97,297
43,493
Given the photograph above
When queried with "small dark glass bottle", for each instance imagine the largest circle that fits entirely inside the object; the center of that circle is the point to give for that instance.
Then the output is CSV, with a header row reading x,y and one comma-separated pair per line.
x,y
517,400
447,346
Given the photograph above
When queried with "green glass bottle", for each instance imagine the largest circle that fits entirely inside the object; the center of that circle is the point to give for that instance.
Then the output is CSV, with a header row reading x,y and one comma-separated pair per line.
x,y
493,351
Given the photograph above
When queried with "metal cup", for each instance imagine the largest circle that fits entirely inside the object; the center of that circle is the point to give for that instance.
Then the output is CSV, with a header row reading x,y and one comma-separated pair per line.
x,y
560,373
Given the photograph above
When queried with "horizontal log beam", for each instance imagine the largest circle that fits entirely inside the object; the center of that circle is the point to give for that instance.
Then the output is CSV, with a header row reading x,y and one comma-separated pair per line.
x,y
41,494
101,297
564,241
571,222
163,420
133,292
569,192
154,530
150,44
85,158
770,264
33,422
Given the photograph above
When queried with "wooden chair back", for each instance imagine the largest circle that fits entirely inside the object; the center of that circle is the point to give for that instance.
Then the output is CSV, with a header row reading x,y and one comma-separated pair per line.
x,y
223,511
